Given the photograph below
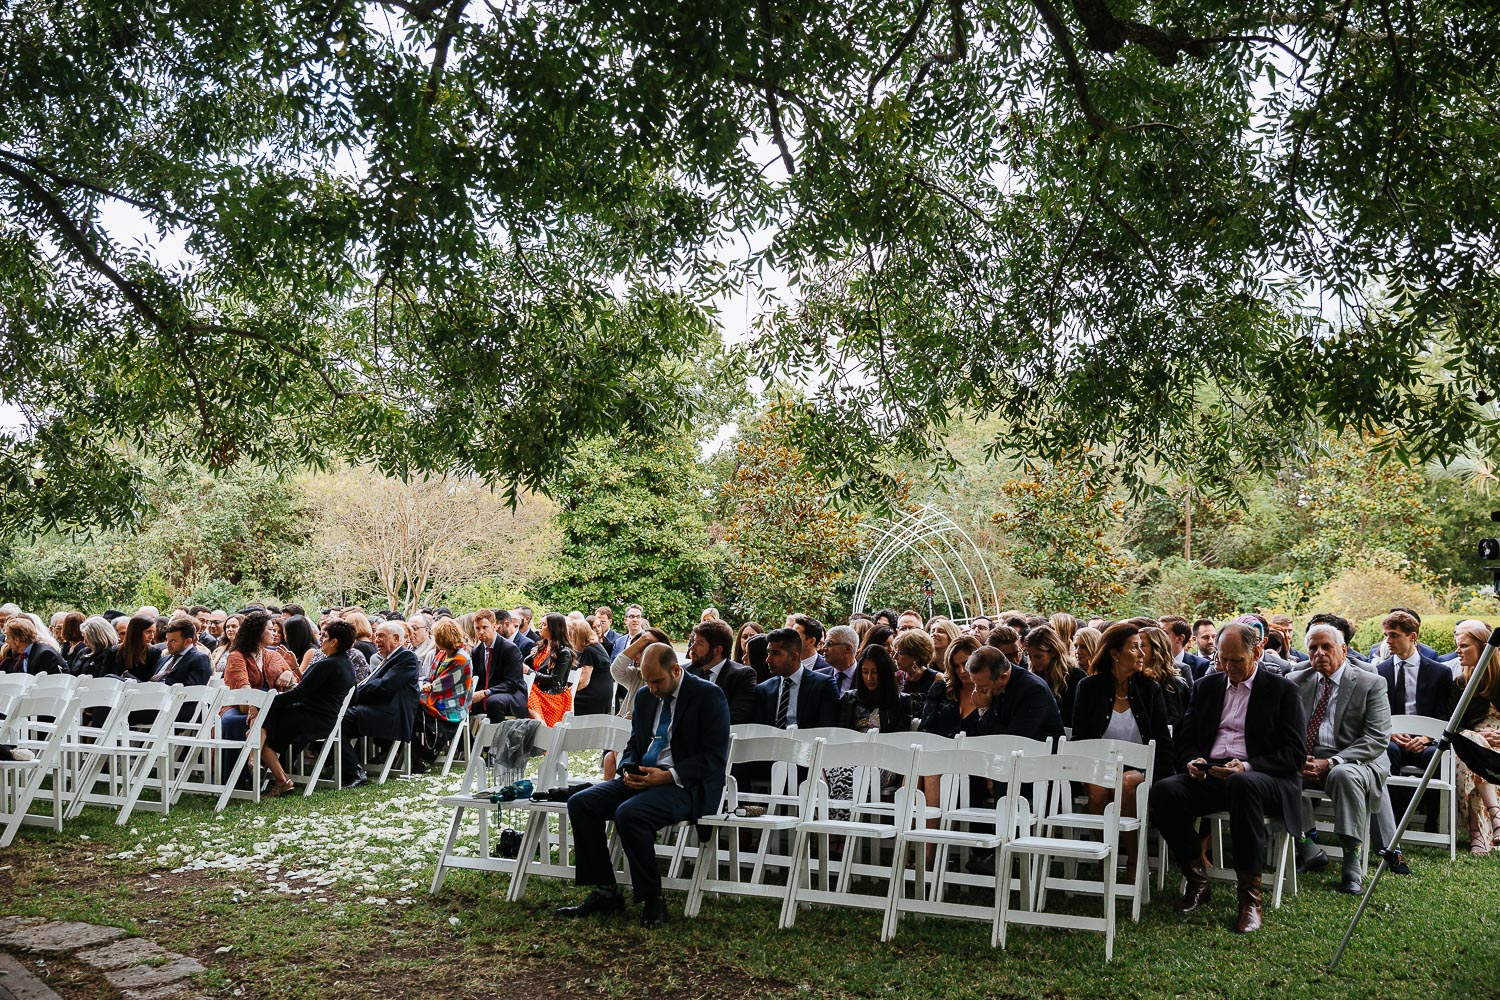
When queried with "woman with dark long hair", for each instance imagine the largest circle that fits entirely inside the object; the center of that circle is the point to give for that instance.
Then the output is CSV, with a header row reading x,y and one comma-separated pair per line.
x,y
741,640
1050,660
550,698
876,700
137,657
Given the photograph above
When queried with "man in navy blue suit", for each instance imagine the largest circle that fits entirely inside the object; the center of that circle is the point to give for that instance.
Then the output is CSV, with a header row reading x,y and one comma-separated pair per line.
x,y
1417,684
794,694
671,771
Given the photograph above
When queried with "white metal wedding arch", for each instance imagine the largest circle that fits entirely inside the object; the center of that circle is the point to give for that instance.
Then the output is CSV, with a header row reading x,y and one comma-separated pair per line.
x,y
960,576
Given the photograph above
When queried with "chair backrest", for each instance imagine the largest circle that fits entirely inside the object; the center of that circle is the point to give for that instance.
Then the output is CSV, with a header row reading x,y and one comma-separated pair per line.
x,y
1139,755
249,697
12,687
750,729
594,732
864,753
1418,725
99,684
868,758
782,747
23,724
54,682
1004,746
927,741
476,764
833,735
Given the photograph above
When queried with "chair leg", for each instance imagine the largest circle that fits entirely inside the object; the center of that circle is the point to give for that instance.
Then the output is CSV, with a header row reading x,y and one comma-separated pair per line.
x,y
795,874
1109,904
1002,896
437,876
708,857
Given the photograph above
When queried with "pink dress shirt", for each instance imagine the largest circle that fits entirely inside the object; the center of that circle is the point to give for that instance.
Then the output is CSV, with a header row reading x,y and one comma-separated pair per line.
x,y
1230,743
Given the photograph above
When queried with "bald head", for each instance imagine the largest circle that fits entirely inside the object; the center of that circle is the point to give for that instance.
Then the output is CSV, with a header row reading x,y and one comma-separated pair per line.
x,y
660,670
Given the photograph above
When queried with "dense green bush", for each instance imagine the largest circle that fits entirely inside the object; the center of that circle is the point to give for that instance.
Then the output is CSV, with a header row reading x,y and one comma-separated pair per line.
x,y
1437,632
490,593
1194,590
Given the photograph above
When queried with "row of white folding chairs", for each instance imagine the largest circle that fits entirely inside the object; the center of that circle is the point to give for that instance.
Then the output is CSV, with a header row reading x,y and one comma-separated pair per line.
x,y
83,759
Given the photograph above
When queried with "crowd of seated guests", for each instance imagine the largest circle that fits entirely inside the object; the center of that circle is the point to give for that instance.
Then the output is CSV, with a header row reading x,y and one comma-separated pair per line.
x,y
1242,718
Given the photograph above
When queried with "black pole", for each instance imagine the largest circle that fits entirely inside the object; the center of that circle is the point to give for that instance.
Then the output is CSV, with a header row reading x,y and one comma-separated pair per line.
x,y
1450,733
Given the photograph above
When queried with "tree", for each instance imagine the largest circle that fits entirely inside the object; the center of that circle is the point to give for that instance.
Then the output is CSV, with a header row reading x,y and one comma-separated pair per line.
x,y
788,544
1057,519
408,543
633,517
1360,510
1102,222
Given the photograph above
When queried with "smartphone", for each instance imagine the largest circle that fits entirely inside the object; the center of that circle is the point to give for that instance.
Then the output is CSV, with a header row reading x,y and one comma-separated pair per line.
x,y
631,769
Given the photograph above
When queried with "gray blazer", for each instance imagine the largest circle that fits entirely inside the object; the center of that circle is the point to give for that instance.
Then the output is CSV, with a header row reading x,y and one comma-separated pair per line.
x,y
1361,717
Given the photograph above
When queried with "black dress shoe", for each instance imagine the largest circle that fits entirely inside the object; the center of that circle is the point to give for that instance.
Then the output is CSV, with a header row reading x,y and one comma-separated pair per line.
x,y
598,901
1397,864
1351,887
1314,863
654,913
359,781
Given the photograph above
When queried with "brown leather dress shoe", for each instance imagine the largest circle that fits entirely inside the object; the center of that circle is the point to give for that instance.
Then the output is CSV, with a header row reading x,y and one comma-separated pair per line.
x,y
1197,891
1249,919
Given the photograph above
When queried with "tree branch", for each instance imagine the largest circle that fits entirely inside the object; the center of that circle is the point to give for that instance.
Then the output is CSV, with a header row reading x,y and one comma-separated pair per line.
x,y
901,47
778,135
99,189
1052,18
440,47
958,47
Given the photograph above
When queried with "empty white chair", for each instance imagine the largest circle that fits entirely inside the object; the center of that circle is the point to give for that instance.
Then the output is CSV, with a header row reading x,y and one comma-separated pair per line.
x,y
1022,847
818,825
781,748
21,781
1062,817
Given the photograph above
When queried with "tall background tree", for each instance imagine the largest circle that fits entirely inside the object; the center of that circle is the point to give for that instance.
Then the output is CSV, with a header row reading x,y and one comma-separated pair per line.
x,y
290,233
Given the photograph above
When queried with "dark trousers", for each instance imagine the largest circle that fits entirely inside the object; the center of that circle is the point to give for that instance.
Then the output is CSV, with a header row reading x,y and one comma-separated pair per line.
x,y
1400,758
506,705
1178,802
637,816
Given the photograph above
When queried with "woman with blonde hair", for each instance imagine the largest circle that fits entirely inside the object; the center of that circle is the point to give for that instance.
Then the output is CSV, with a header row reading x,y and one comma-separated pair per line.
x,y
596,688
445,692
1050,660
1066,627
1160,667
943,631
1477,802
1086,644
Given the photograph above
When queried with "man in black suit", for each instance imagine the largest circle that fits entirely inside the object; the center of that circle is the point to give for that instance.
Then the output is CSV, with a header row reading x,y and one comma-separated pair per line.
x,y
793,695
508,624
1241,747
811,630
1180,634
708,657
839,649
1205,639
385,705
1010,701
182,662
605,616
1416,684
1381,650
671,771
497,663
524,615
25,653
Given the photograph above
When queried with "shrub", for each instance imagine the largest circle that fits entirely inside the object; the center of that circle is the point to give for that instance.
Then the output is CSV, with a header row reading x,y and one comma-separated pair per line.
x,y
489,593
1193,590
1436,631
1371,591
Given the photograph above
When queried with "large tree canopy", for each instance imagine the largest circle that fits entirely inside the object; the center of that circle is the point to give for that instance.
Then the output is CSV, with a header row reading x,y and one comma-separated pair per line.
x,y
456,235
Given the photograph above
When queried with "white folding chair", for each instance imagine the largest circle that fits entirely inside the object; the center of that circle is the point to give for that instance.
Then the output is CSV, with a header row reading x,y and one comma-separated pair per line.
x,y
780,748
1283,859
1022,847
460,735
90,736
1062,816
21,781
246,752
818,825
985,829
1444,782
312,779
189,741
144,751
12,687
473,793
590,735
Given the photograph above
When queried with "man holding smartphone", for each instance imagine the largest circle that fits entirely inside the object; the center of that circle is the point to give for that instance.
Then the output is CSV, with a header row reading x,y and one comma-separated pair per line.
x,y
1241,748
671,771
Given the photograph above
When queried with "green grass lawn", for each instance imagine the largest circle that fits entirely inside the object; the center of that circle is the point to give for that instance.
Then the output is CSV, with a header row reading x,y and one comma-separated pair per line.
x,y
327,897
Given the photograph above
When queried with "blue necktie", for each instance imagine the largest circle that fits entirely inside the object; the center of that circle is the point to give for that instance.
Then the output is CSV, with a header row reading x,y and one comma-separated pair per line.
x,y
659,742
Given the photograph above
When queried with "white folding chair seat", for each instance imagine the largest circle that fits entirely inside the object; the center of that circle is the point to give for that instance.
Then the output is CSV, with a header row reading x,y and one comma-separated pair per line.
x,y
1282,869
818,826
1444,783
1042,773
777,748
1062,816
21,782
953,767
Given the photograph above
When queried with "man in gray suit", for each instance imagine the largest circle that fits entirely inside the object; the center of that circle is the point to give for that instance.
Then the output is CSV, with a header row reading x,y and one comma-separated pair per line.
x,y
1348,732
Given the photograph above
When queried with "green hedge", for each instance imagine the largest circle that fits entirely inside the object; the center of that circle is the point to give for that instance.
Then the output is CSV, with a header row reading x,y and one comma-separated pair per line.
x,y
1437,632
1193,590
